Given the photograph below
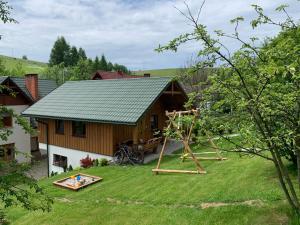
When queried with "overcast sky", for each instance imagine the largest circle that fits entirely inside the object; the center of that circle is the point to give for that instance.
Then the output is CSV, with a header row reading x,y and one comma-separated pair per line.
x,y
127,31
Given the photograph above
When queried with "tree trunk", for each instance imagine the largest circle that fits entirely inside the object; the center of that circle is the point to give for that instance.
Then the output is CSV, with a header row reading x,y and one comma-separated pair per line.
x,y
297,143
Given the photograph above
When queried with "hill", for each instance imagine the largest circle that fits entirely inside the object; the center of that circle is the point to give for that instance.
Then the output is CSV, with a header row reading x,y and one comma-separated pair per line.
x,y
29,66
170,72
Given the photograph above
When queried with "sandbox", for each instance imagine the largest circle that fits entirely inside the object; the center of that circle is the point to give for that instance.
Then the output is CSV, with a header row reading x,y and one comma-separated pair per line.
x,y
77,181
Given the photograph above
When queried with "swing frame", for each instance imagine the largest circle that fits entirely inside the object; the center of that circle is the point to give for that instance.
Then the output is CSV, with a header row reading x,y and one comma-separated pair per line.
x,y
186,143
184,139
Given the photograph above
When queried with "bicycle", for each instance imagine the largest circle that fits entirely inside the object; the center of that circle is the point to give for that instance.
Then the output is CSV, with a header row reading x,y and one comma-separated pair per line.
x,y
126,154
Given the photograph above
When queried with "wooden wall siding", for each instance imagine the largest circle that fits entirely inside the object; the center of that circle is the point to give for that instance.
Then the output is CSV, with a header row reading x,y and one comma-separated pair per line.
x,y
19,99
122,133
99,137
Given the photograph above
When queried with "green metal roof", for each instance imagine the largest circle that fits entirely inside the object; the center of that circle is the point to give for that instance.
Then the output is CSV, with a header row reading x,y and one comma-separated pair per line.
x,y
44,86
121,101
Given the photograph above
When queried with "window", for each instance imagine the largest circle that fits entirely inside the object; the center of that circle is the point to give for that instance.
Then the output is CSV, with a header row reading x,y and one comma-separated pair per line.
x,y
60,161
59,127
78,129
7,152
6,121
154,122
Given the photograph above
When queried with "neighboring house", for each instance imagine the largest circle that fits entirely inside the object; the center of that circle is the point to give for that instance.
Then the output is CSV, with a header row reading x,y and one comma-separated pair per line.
x,y
105,75
28,90
92,117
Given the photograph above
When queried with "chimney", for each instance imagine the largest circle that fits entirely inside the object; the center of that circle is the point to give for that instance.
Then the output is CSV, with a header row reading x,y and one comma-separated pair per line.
x,y
31,83
146,74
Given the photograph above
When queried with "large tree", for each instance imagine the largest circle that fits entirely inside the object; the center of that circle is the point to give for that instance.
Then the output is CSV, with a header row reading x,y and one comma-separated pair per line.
x,y
260,81
103,63
60,52
16,188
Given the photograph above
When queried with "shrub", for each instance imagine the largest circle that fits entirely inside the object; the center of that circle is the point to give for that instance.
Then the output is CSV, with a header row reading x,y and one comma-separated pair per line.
x,y
70,168
86,162
53,174
103,162
96,162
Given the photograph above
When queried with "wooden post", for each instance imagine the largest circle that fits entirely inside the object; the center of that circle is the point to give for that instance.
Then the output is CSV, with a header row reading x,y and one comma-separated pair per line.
x,y
135,135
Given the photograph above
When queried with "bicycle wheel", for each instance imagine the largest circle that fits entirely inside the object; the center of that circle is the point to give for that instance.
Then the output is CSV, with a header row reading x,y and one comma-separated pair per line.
x,y
137,158
119,158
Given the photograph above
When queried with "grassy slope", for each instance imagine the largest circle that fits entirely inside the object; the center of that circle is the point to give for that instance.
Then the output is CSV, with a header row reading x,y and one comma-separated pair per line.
x,y
159,72
133,195
28,65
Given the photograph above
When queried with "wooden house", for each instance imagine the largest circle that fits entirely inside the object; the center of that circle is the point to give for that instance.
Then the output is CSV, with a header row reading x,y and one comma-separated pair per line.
x,y
92,117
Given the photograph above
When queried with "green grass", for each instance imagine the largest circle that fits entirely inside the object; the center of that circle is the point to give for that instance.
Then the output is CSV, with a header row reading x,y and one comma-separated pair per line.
x,y
133,195
159,72
29,66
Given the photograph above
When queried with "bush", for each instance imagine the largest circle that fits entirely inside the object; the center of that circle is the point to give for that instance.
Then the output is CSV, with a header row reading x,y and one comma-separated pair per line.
x,y
103,162
96,162
70,168
53,174
86,162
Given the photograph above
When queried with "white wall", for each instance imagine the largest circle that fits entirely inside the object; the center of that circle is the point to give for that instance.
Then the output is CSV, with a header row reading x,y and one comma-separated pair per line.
x,y
19,137
74,156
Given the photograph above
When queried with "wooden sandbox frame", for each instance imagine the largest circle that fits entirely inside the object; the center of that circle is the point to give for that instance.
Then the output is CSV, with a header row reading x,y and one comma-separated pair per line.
x,y
60,184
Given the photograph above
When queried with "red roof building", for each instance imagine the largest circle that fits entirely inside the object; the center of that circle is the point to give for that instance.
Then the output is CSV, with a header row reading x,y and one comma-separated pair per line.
x,y
105,75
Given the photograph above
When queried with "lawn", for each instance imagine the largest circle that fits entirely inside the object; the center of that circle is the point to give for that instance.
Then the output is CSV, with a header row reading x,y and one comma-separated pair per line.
x,y
171,72
28,65
240,190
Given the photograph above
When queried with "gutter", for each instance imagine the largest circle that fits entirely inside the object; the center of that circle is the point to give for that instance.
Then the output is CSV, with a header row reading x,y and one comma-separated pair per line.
x,y
47,144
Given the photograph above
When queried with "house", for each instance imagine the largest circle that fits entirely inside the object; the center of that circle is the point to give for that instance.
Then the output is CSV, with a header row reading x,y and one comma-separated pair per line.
x,y
105,75
28,90
92,117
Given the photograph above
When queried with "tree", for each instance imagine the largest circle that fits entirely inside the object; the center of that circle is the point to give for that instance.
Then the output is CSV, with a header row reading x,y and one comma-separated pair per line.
x,y
24,57
60,52
118,67
103,63
82,71
74,56
110,66
82,54
57,72
96,64
261,83
16,188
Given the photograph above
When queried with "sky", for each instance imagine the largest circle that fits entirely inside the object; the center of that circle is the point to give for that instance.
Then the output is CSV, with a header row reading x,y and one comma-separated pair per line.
x,y
126,31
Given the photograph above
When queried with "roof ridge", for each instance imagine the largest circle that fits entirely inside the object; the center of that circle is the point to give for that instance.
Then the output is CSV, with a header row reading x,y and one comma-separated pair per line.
x,y
122,79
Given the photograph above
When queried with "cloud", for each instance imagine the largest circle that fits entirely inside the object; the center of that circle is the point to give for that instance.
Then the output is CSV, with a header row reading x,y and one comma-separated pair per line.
x,y
127,32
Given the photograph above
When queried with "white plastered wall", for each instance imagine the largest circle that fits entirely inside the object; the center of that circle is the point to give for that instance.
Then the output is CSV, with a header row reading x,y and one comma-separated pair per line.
x,y
19,137
74,156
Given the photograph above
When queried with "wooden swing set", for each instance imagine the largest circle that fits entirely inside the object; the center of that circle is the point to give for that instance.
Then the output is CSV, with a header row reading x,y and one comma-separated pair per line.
x,y
184,135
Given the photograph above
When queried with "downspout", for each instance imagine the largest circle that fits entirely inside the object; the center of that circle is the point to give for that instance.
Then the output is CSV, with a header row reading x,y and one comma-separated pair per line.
x,y
47,144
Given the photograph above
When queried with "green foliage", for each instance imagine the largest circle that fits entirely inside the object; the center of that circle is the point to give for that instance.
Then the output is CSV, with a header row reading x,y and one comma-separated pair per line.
x,y
60,52
16,187
103,63
259,83
70,168
24,57
103,162
81,54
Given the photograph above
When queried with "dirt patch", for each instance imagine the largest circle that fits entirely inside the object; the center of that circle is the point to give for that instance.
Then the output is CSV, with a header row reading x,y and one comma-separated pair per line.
x,y
64,200
254,203
257,203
